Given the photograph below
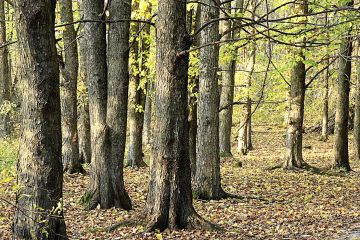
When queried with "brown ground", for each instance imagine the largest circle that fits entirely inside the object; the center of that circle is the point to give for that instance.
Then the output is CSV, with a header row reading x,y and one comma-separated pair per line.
x,y
276,204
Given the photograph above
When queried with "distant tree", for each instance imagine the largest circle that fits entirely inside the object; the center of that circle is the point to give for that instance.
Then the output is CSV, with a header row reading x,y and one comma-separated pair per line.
x,y
227,93
341,148
39,210
207,180
5,79
169,200
136,102
68,92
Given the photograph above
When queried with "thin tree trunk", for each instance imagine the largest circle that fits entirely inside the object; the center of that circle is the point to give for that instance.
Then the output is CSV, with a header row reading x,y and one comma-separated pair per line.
x,y
39,169
169,200
207,179
294,134
341,151
5,79
136,105
83,106
227,94
357,109
325,113
68,93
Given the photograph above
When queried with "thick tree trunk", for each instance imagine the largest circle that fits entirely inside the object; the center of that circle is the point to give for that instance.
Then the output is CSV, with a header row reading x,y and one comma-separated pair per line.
x,y
107,103
294,133
169,200
40,171
83,107
68,93
207,179
341,151
227,94
136,105
5,81
118,82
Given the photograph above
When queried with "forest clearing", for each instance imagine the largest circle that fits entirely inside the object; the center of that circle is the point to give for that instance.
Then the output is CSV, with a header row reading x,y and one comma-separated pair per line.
x,y
274,204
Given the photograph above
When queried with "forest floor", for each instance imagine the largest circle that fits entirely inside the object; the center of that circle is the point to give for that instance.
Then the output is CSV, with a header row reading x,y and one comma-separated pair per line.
x,y
275,204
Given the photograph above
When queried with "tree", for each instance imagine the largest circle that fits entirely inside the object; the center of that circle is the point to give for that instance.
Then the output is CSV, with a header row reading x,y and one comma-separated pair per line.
x,y
294,133
40,171
5,80
341,151
68,92
83,105
169,200
207,179
136,103
227,93
107,102
325,118
357,110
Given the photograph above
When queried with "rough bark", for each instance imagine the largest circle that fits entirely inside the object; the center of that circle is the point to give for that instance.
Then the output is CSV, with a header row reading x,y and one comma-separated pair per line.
x,y
169,200
107,103
68,92
227,94
39,169
136,104
118,82
341,151
207,180
5,81
294,133
83,106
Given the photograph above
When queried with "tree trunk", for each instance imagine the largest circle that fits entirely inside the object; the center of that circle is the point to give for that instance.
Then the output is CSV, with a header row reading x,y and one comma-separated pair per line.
x,y
207,180
68,93
294,133
136,105
357,110
5,81
341,151
107,103
83,106
148,112
325,113
39,169
227,94
118,82
169,200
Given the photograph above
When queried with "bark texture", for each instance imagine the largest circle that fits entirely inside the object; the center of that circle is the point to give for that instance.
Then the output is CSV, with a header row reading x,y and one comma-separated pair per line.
x,y
294,133
83,106
341,148
169,200
118,83
227,94
68,92
39,169
357,112
325,113
207,179
5,80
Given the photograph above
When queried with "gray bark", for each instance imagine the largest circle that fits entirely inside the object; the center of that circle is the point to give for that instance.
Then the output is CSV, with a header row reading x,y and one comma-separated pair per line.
x,y
357,111
5,80
39,169
207,179
227,94
169,200
68,92
341,148
294,133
